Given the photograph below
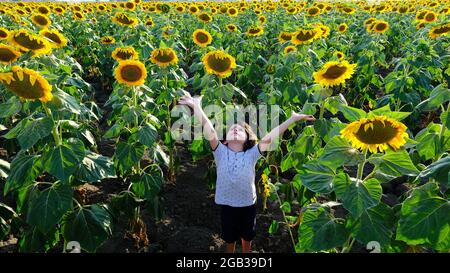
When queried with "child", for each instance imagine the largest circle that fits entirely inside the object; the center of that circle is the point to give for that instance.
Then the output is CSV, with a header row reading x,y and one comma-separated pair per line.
x,y
235,159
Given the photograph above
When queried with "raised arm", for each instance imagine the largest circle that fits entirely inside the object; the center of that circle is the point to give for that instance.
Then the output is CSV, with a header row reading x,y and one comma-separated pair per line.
x,y
278,131
196,105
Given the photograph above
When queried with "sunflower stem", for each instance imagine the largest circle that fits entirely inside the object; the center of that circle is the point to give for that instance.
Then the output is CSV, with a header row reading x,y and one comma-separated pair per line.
x,y
135,103
361,167
55,133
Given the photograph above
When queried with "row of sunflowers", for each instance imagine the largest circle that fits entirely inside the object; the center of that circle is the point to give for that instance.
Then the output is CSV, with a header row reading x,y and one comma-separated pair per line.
x,y
373,167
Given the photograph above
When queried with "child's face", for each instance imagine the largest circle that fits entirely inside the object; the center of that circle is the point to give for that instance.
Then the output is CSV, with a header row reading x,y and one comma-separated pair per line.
x,y
237,133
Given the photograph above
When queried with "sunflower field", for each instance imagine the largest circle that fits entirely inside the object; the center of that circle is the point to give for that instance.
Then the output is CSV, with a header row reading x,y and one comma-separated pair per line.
x,y
373,168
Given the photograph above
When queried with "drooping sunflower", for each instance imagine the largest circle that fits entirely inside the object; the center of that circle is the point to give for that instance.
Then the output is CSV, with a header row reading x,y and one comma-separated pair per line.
x,y
164,57
107,40
440,30
41,20
202,37
124,53
342,28
57,39
254,31
8,54
204,17
4,33
376,133
26,41
231,27
27,84
289,49
304,36
285,36
219,63
380,26
130,72
334,73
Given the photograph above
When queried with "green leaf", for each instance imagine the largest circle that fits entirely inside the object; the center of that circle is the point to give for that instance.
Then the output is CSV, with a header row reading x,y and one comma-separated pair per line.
x,y
424,218
34,131
35,241
429,144
10,108
125,203
361,195
61,161
320,231
24,169
338,152
396,163
114,131
127,155
273,228
317,177
50,205
351,113
149,184
438,170
95,167
88,225
147,135
386,111
63,101
14,132
375,224
439,95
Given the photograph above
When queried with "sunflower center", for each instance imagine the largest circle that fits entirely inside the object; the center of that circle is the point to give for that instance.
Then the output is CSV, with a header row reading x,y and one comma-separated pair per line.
x,y
131,73
342,28
6,55
124,55
125,20
381,26
219,64
53,37
430,17
204,17
3,34
201,37
381,133
164,57
24,89
442,30
41,20
254,30
286,36
313,11
28,42
335,72
305,35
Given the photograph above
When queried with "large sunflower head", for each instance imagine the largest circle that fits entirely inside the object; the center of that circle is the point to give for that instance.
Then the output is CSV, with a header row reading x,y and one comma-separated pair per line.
x,y
107,40
4,33
204,17
8,54
430,17
27,41
376,133
57,39
380,26
124,19
334,73
27,84
41,20
202,37
440,30
285,36
43,10
124,53
219,63
231,27
305,36
255,31
130,72
164,57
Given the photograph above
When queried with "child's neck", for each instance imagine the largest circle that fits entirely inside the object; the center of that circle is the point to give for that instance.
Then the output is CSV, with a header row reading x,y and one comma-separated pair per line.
x,y
235,146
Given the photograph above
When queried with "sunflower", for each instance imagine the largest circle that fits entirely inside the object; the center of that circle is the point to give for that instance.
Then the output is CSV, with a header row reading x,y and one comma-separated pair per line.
x,y
254,31
8,54
342,28
231,27
262,19
202,37
57,39
124,20
334,73
193,9
130,72
204,17
124,53
107,40
78,15
289,49
285,36
375,133
420,15
164,57
305,36
27,84
369,21
430,17
380,26
4,33
149,22
313,11
324,30
130,6
219,63
43,10
41,20
438,31
26,41
340,55
232,12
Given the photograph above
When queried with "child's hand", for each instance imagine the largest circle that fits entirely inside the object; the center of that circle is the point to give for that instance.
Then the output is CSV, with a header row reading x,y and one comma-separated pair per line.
x,y
298,117
190,101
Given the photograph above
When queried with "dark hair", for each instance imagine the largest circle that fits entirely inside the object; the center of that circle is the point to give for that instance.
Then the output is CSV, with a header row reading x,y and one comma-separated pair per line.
x,y
251,136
